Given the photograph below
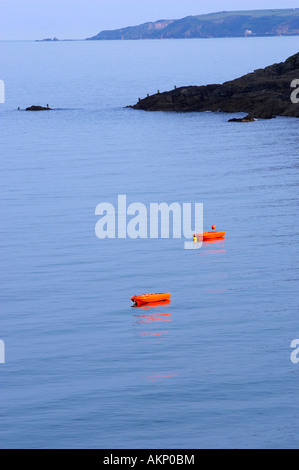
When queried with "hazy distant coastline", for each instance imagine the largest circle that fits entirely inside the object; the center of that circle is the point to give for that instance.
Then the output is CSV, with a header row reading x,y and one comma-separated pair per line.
x,y
251,23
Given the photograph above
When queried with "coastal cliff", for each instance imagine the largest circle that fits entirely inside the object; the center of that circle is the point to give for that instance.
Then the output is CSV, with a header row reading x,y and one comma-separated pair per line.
x,y
223,24
262,94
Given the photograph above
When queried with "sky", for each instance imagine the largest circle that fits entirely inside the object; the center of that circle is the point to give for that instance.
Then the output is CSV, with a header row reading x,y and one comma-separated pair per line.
x,y
78,19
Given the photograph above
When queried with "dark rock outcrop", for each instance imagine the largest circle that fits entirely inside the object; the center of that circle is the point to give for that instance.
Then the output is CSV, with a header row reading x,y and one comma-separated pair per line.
x,y
38,108
244,119
262,94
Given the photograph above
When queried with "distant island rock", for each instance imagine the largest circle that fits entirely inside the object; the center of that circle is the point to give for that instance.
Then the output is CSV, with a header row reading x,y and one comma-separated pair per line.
x,y
224,24
264,94
38,108
47,40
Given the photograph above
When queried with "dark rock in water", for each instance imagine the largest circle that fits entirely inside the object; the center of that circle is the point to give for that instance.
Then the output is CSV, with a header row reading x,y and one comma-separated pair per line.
x,y
267,116
263,94
38,108
244,119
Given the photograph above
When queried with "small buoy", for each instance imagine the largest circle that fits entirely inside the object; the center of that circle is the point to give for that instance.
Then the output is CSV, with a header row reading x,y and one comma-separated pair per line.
x,y
194,238
213,227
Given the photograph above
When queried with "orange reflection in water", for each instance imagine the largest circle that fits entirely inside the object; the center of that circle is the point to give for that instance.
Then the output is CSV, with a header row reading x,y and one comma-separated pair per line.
x,y
156,377
153,317
162,333
213,242
218,246
152,304
153,321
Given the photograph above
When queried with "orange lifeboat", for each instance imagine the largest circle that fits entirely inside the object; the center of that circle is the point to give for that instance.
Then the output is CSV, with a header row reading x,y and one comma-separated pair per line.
x,y
210,235
149,298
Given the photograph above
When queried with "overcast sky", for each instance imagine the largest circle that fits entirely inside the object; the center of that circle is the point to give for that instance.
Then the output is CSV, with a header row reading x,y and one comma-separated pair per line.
x,y
38,19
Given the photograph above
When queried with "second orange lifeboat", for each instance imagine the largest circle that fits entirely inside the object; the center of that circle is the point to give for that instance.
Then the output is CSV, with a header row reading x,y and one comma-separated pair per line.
x,y
210,235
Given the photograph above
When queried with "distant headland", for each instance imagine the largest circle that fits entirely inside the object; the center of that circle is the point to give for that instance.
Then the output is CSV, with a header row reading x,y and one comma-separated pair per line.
x,y
57,40
224,24
265,93
47,40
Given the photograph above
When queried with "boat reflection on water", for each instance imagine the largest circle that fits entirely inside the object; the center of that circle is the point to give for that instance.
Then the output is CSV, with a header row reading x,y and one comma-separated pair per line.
x,y
216,279
213,242
153,330
152,304
159,377
213,247
151,318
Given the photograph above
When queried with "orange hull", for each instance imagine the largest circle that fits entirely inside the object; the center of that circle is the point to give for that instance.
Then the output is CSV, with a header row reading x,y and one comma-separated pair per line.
x,y
147,298
161,303
210,235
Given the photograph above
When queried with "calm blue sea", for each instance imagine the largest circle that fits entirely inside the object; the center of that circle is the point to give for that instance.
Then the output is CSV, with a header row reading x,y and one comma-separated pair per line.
x,y
85,369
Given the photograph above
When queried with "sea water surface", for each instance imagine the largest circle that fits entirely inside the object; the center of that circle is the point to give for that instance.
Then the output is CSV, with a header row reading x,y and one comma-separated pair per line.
x,y
85,369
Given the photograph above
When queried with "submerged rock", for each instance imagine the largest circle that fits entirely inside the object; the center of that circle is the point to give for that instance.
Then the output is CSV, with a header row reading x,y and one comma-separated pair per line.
x,y
263,94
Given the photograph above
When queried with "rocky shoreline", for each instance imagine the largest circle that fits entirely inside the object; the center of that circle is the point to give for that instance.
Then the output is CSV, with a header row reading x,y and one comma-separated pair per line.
x,y
263,94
